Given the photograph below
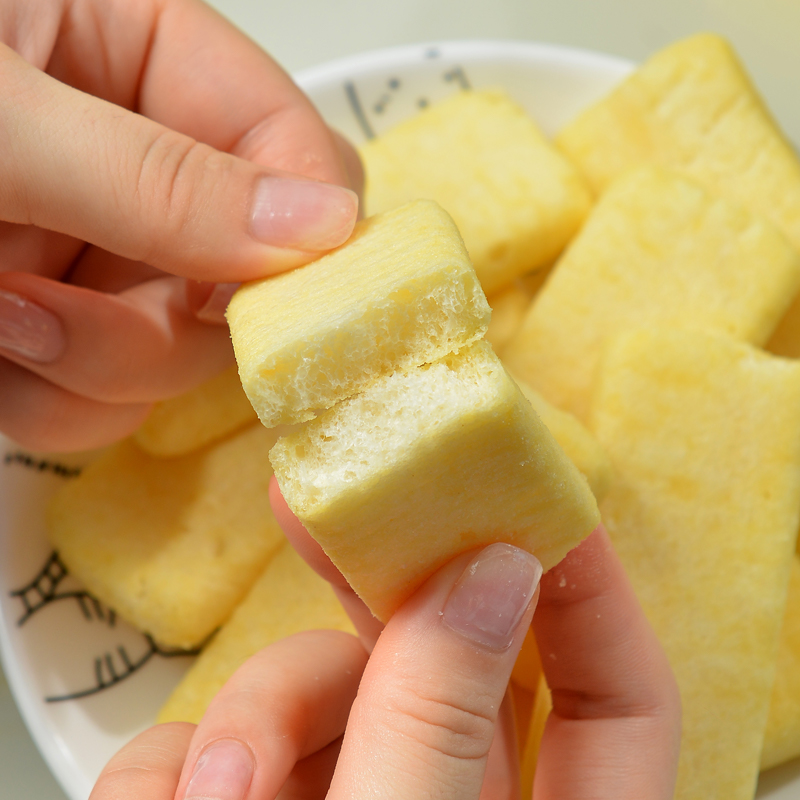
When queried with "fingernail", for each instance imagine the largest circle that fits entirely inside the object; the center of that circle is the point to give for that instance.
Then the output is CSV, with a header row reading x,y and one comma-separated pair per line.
x,y
209,301
306,215
490,598
28,330
224,771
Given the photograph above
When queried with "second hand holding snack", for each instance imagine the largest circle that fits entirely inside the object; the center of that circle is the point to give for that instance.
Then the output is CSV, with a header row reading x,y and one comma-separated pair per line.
x,y
144,141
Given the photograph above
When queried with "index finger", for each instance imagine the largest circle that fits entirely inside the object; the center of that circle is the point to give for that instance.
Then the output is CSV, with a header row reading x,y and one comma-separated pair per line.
x,y
79,165
614,731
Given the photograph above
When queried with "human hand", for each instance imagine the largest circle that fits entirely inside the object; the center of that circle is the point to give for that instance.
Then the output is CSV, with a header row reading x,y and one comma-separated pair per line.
x,y
614,731
143,141
311,717
421,716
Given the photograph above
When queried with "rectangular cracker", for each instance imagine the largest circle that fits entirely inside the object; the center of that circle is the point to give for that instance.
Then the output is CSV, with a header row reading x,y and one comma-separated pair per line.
x,y
196,418
579,444
288,597
693,107
171,544
516,200
401,292
704,437
426,464
657,250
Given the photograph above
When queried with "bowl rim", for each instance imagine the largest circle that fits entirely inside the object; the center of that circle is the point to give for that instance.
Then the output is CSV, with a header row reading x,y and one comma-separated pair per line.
x,y
507,50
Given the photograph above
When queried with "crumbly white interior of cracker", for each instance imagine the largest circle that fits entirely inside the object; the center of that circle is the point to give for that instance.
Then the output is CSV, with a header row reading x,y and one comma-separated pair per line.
x,y
407,328
372,432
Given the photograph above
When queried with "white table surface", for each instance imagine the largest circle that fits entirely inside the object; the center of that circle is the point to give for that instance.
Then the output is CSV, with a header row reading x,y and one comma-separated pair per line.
x,y
307,32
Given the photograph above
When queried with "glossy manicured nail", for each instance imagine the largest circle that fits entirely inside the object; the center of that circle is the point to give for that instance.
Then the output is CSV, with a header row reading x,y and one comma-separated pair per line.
x,y
29,330
224,771
305,215
490,598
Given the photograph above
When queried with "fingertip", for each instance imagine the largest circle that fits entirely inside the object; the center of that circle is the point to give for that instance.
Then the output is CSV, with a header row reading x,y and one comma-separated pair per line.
x,y
586,570
489,600
302,541
209,301
300,214
148,766
352,165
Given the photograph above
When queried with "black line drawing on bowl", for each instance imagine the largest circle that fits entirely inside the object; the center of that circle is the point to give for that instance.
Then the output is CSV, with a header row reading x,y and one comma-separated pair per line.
x,y
386,98
358,110
41,464
112,667
108,672
455,74
43,590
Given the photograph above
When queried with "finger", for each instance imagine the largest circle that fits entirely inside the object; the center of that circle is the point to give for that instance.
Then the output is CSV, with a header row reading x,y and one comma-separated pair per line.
x,y
368,627
79,165
311,778
26,248
141,345
41,416
105,272
425,714
149,766
209,301
615,726
301,539
286,703
501,781
352,165
205,78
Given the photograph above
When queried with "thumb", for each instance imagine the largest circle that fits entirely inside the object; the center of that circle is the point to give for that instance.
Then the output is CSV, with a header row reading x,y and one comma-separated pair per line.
x,y
82,166
427,706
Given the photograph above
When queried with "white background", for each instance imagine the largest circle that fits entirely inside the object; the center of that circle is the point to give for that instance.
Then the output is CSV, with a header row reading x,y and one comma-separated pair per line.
x,y
302,33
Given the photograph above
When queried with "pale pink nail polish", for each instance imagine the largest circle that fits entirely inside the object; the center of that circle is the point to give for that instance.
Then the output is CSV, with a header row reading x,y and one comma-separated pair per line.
x,y
28,330
224,771
490,598
305,215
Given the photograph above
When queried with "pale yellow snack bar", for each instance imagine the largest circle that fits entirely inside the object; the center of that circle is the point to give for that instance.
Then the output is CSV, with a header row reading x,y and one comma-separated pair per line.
x,y
578,443
171,544
704,436
426,464
399,293
516,200
657,250
782,734
196,418
691,106
289,597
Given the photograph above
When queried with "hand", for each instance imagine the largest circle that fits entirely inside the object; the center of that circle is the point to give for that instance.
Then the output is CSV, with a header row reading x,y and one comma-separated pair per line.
x,y
142,141
614,731
423,709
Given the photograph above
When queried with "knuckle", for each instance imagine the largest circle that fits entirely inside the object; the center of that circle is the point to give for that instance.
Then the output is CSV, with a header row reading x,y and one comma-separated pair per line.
x,y
460,728
174,174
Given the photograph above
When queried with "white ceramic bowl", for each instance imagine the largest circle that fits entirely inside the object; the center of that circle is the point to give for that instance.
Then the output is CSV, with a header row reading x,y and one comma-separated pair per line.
x,y
70,645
